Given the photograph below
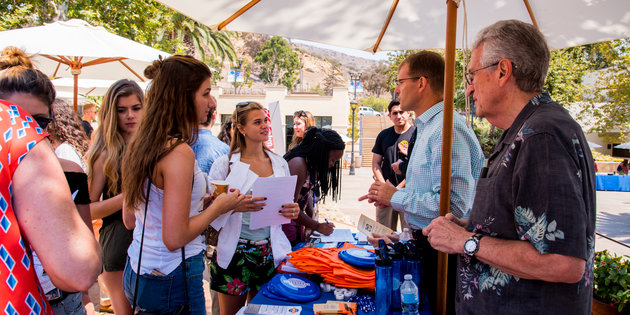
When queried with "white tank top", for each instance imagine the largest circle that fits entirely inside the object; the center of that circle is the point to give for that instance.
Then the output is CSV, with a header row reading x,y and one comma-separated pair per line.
x,y
155,255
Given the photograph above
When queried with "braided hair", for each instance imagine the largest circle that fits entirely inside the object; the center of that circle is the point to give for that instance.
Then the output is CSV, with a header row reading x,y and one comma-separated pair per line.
x,y
315,148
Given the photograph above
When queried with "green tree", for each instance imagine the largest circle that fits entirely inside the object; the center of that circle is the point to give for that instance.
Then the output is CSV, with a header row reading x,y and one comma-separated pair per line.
x,y
375,79
279,63
379,104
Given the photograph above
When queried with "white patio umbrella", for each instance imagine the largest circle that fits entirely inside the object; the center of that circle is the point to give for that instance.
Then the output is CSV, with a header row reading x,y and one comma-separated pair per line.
x,y
593,145
72,48
623,146
88,87
375,25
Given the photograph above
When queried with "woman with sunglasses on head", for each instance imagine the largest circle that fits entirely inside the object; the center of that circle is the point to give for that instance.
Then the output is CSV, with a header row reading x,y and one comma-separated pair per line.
x,y
247,258
165,191
302,120
119,117
38,211
315,161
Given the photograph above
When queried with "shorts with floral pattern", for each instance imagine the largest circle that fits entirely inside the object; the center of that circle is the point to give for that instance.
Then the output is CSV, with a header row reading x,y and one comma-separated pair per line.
x,y
250,268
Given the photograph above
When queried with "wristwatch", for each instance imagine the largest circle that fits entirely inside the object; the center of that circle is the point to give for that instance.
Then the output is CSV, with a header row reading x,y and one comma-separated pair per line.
x,y
471,246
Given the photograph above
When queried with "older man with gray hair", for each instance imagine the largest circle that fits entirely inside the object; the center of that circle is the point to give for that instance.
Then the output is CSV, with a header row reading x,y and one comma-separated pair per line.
x,y
528,245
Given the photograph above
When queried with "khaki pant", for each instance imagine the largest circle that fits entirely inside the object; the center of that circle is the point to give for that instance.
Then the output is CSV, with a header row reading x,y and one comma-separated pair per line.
x,y
389,218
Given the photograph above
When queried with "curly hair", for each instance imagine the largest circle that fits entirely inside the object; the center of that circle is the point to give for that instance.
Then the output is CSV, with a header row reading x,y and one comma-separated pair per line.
x,y
315,148
226,131
66,127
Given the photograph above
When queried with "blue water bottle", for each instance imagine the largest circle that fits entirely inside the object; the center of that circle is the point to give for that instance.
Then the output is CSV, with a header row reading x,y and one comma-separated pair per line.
x,y
413,266
383,280
396,253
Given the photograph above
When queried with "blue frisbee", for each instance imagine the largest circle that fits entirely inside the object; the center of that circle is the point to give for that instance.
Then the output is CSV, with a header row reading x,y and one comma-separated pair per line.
x,y
294,288
358,257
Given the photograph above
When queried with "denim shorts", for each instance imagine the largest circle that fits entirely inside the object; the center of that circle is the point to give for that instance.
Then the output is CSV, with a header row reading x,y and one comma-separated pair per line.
x,y
162,294
71,305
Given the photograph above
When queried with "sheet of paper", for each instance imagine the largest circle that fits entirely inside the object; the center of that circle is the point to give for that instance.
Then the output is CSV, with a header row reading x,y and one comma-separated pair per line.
x,y
279,191
339,235
265,309
239,178
368,226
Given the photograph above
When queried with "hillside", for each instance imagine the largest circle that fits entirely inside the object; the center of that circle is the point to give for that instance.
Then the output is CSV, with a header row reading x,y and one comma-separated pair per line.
x,y
318,63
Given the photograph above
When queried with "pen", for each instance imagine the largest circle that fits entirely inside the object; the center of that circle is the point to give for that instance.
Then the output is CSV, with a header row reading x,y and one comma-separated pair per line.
x,y
326,221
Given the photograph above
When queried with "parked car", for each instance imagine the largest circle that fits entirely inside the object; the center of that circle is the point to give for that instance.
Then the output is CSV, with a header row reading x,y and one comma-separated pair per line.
x,y
368,111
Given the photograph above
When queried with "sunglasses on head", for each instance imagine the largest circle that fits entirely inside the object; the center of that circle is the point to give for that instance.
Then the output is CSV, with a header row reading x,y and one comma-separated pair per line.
x,y
300,113
43,121
241,104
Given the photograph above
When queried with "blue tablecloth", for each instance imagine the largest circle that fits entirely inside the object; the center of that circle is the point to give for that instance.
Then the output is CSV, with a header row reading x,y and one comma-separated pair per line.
x,y
613,182
307,308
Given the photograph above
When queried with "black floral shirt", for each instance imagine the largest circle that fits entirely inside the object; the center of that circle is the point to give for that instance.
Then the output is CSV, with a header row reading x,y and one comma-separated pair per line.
x,y
539,186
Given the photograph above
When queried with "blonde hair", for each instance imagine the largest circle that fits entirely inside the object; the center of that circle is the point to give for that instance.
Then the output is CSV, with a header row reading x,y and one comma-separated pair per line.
x,y
239,117
309,121
170,116
107,137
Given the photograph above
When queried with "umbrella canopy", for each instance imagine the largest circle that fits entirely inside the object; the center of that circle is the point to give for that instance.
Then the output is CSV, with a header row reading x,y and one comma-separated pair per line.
x,y
593,145
72,48
623,146
409,24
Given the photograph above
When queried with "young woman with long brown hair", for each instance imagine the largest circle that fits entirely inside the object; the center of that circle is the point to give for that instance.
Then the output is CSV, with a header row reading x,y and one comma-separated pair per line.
x,y
119,117
160,157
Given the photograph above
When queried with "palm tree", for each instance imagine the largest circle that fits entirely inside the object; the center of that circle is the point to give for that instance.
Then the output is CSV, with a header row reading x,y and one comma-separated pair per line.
x,y
197,37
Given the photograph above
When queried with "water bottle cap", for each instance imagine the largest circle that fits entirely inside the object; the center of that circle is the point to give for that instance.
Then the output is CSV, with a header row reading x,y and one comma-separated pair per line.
x,y
406,230
408,277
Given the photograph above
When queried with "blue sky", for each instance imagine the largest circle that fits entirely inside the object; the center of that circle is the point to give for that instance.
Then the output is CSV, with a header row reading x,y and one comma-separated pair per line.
x,y
348,51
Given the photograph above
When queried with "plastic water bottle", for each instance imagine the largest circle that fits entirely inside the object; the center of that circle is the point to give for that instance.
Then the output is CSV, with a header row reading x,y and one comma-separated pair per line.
x,y
409,296
405,236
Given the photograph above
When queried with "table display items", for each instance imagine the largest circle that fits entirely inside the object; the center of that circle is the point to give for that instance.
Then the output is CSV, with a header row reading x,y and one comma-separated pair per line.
x,y
326,263
383,281
357,257
405,236
413,265
396,252
409,296
289,287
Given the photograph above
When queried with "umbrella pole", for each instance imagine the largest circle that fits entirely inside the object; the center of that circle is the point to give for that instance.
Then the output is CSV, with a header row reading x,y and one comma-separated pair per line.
x,y
76,92
447,143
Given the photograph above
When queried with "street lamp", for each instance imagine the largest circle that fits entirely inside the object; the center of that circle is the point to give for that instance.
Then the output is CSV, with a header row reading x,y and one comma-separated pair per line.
x,y
236,69
301,74
353,106
355,77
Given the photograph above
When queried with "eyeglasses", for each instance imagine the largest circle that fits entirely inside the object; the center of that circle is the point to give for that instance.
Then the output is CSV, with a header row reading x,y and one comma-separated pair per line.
x,y
400,81
43,121
469,75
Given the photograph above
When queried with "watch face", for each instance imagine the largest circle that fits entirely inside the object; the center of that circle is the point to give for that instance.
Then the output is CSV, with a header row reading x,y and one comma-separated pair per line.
x,y
470,246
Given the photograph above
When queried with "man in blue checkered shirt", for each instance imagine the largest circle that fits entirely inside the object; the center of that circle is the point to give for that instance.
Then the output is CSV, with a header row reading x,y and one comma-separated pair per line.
x,y
420,88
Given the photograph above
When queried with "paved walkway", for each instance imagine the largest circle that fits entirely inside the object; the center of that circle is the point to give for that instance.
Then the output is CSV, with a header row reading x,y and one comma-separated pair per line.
x,y
613,211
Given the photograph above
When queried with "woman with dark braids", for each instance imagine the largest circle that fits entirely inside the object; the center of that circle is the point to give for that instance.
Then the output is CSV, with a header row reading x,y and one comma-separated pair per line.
x,y
315,161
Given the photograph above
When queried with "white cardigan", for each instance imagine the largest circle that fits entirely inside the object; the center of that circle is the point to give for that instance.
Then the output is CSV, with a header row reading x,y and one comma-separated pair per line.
x,y
230,230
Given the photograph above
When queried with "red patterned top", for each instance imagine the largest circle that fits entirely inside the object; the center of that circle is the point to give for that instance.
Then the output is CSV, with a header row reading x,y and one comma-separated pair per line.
x,y
20,292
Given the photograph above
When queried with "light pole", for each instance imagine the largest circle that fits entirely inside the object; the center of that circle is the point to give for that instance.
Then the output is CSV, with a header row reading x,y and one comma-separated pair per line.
x,y
353,106
236,69
355,77
301,74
